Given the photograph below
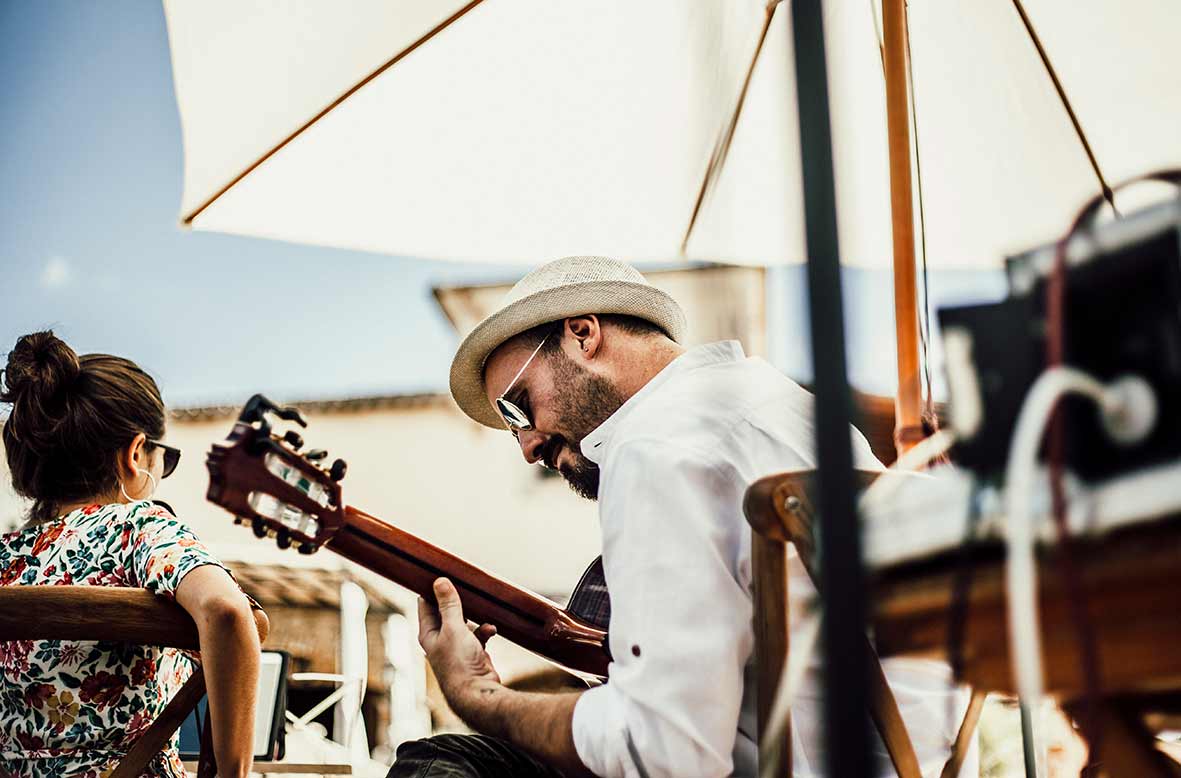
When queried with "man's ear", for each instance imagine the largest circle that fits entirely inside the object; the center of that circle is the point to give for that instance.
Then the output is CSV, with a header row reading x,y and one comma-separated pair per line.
x,y
133,457
586,333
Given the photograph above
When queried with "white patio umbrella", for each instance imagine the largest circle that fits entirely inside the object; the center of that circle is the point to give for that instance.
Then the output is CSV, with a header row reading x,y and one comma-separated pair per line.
x,y
523,131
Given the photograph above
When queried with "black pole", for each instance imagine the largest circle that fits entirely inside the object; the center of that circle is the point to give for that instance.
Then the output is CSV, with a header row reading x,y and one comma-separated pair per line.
x,y
842,582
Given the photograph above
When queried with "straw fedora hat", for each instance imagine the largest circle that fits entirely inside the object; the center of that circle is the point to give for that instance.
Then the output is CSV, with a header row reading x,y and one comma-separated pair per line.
x,y
567,287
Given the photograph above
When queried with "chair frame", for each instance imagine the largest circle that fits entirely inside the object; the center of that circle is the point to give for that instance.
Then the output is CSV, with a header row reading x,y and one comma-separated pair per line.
x,y
779,510
122,615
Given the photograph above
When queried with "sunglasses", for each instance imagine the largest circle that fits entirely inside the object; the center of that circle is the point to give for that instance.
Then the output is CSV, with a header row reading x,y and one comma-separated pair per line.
x,y
171,457
516,419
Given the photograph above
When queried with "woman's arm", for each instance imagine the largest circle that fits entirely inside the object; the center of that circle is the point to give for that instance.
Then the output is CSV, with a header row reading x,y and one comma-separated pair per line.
x,y
229,657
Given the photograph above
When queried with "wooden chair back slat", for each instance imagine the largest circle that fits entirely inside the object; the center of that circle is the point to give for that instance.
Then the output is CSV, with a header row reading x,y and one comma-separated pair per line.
x,y
769,558
156,737
121,615
963,738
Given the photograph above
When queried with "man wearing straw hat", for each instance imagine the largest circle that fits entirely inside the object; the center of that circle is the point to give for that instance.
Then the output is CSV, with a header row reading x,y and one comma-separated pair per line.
x,y
583,364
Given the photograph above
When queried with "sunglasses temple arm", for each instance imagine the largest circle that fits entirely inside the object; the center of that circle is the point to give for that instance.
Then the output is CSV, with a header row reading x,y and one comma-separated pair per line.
x,y
524,366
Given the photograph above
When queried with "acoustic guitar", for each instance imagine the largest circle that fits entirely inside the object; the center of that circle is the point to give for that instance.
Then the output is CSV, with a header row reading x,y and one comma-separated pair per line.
x,y
263,479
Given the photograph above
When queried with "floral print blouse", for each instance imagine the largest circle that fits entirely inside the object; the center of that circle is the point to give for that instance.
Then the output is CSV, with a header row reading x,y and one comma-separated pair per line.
x,y
73,708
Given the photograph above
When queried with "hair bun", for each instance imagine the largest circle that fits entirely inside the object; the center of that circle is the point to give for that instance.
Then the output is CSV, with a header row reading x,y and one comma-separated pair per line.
x,y
40,366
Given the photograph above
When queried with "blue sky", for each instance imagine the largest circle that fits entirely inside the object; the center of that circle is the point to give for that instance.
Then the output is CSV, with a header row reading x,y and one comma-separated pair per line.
x,y
91,165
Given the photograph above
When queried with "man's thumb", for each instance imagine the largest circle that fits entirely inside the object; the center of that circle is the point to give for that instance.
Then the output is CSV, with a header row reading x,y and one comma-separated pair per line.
x,y
450,608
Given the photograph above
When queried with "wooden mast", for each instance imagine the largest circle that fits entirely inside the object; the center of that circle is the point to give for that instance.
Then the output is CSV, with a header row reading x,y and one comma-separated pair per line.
x,y
908,428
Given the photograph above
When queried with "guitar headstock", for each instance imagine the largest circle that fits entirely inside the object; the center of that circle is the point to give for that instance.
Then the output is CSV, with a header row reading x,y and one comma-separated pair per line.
x,y
262,478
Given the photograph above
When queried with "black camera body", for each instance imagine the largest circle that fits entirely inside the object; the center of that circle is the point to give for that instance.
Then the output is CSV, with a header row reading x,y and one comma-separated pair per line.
x,y
1122,316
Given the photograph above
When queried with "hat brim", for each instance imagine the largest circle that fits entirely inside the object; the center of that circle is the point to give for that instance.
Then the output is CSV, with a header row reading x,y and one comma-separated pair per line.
x,y
576,299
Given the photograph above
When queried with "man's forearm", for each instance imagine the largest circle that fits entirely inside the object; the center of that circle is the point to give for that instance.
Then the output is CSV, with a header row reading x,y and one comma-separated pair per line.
x,y
542,724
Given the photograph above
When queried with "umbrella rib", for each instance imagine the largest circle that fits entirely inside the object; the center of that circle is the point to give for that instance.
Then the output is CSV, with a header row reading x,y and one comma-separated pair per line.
x,y
1108,195
188,219
722,147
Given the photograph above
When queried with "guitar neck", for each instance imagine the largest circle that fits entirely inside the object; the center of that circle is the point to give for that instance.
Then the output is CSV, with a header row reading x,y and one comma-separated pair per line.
x,y
521,616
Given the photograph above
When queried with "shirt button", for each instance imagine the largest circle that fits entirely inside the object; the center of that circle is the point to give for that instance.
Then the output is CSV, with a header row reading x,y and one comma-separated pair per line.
x,y
635,650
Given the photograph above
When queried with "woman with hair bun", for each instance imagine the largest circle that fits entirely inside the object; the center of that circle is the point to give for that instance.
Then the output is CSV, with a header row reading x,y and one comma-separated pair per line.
x,y
84,443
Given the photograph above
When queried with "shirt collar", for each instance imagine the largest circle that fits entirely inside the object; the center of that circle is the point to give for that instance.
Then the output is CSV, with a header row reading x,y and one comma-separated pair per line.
x,y
598,441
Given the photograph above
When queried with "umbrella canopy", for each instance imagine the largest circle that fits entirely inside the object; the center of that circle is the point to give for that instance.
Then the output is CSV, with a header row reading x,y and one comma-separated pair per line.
x,y
524,131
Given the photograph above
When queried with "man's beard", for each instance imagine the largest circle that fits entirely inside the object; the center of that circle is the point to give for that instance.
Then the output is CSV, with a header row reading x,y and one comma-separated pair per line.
x,y
583,401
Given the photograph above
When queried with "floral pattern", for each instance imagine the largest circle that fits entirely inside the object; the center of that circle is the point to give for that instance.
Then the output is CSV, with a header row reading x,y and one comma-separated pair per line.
x,y
72,708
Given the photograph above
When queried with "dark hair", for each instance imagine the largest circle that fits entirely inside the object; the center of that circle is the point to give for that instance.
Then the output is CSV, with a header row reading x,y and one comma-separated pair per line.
x,y
632,325
70,417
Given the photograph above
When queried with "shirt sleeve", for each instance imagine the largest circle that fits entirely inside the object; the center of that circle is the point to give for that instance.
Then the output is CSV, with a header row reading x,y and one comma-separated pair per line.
x,y
164,550
681,630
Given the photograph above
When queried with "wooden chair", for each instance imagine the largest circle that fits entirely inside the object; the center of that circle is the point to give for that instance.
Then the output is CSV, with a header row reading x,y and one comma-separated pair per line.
x,y
121,615
780,511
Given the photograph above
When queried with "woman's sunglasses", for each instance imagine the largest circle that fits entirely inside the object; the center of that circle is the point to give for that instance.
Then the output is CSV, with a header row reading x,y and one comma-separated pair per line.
x,y
171,457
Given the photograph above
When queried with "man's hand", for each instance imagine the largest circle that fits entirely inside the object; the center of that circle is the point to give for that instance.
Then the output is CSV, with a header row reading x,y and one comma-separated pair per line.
x,y
539,723
456,653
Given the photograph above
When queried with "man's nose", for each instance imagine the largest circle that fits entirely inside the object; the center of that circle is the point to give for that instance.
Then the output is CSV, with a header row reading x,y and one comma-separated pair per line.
x,y
531,442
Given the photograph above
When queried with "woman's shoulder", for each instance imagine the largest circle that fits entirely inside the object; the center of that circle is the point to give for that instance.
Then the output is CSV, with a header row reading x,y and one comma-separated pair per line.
x,y
144,514
155,520
97,521
83,520
89,545
152,510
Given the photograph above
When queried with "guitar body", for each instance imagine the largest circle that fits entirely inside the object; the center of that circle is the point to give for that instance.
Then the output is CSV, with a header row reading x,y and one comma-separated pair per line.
x,y
590,601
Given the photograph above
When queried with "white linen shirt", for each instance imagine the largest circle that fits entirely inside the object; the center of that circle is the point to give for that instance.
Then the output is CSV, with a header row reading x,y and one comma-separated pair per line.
x,y
675,461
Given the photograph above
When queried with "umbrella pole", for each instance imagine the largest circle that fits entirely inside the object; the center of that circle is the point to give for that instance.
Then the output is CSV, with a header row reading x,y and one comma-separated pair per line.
x,y
908,429
842,579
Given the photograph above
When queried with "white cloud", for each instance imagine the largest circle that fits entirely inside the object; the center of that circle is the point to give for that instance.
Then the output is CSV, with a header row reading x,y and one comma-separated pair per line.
x,y
56,273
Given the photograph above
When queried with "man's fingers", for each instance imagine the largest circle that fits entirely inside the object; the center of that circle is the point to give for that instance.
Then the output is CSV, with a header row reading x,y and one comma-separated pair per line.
x,y
450,608
428,621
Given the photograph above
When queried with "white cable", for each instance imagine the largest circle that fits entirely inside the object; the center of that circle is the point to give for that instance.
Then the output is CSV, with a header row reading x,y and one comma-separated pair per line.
x,y
1020,570
890,480
804,639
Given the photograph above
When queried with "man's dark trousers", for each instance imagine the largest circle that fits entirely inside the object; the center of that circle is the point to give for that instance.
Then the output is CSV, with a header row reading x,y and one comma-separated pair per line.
x,y
466,756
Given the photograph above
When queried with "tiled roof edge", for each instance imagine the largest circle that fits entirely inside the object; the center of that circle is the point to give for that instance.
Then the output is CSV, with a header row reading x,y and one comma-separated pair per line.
x,y
343,405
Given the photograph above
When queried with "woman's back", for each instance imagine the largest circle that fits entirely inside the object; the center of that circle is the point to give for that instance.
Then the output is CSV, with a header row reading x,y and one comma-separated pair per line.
x,y
71,708
84,441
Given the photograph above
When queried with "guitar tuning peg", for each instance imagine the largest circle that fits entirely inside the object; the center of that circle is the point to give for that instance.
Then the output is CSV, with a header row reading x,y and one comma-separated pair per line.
x,y
307,548
339,468
259,528
315,455
293,439
283,539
